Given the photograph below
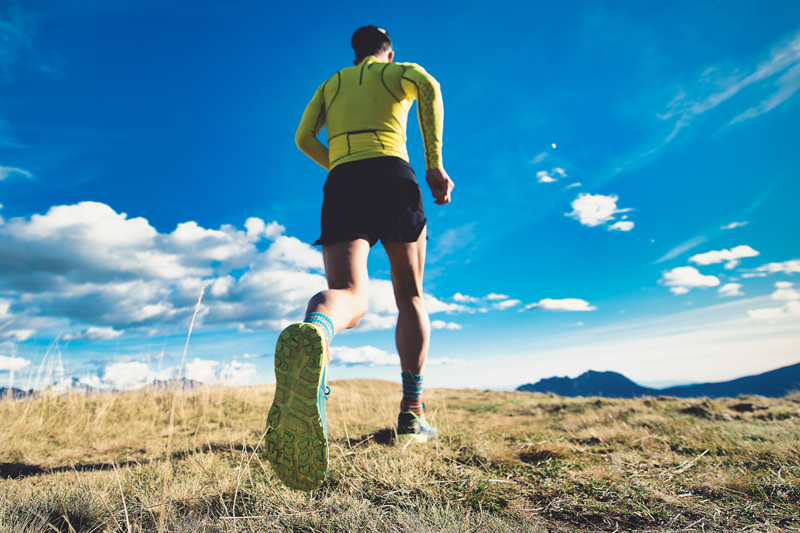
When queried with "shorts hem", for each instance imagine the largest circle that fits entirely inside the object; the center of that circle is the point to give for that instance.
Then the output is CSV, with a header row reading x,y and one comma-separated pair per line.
x,y
411,236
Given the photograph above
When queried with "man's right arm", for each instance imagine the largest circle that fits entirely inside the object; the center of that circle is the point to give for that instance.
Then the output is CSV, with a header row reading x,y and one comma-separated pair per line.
x,y
310,125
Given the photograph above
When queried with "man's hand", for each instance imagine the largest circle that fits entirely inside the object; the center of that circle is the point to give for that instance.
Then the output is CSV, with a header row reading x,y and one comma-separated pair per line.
x,y
440,184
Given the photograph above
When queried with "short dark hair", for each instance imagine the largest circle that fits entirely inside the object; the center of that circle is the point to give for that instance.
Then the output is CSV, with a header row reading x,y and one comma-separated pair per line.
x,y
370,41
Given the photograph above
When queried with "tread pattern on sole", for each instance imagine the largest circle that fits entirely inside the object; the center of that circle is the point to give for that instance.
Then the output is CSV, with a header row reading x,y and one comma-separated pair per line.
x,y
296,444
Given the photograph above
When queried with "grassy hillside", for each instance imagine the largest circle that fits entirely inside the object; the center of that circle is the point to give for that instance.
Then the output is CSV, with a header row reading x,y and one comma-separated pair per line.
x,y
506,461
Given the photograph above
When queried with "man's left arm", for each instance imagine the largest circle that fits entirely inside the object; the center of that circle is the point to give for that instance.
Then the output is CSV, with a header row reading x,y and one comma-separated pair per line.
x,y
418,84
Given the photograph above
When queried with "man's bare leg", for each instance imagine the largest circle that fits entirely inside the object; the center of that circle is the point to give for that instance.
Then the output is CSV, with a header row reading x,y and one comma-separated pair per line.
x,y
413,335
297,439
346,299
413,326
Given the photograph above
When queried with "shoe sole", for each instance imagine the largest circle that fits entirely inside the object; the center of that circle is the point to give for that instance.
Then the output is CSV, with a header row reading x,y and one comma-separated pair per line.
x,y
297,446
403,439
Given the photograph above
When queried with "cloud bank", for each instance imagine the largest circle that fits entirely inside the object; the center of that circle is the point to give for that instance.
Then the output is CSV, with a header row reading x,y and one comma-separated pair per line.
x,y
101,273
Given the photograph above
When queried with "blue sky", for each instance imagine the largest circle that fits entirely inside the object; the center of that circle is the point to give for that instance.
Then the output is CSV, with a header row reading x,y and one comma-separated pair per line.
x,y
626,189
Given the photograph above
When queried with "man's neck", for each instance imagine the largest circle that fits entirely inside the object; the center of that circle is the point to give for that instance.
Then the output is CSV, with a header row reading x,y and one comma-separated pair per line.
x,y
385,57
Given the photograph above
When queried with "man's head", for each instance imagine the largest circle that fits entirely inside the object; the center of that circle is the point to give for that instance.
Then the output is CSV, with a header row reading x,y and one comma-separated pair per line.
x,y
372,41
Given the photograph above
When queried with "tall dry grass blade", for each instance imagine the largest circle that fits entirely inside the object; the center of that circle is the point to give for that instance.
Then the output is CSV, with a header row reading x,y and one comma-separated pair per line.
x,y
168,465
214,483
122,495
113,517
246,466
346,434
76,474
239,479
64,508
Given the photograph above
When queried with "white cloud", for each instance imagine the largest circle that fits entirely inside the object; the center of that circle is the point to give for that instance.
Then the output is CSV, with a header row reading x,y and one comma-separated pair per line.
x,y
576,325
293,252
7,171
622,225
135,374
543,177
734,225
251,355
365,355
682,279
463,298
236,373
92,381
715,88
571,185
256,228
12,363
683,247
708,343
506,304
451,241
128,375
100,273
790,309
787,267
202,370
539,158
445,361
94,333
101,269
787,84
594,209
730,289
785,291
564,304
17,41
382,313
434,305
19,335
732,257
441,324
754,275
493,296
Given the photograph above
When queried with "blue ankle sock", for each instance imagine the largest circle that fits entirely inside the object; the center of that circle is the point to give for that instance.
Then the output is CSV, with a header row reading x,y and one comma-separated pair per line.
x,y
323,321
412,393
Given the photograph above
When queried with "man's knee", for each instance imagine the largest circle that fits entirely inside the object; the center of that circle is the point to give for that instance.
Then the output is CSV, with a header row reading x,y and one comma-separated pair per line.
x,y
408,302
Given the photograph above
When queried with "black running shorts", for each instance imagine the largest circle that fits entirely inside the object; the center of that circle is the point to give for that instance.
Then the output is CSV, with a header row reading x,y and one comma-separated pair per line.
x,y
373,199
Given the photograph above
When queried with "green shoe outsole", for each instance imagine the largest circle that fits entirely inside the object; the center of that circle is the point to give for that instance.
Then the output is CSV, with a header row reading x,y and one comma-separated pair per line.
x,y
413,427
296,441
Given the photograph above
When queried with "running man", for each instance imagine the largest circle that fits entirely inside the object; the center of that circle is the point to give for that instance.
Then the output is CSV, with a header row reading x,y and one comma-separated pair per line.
x,y
371,194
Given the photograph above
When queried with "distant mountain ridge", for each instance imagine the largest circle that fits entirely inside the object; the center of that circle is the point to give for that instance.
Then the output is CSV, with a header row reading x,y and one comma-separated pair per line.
x,y
773,384
13,392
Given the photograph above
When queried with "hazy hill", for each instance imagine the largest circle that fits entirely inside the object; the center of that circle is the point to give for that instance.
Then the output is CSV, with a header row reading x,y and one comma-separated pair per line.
x,y
772,384
13,392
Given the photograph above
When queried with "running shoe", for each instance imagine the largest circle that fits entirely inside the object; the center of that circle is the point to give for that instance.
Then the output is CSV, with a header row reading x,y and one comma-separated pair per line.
x,y
297,435
412,426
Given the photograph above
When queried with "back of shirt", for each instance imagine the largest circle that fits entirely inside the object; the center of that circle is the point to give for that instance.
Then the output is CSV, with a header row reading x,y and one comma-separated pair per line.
x,y
365,109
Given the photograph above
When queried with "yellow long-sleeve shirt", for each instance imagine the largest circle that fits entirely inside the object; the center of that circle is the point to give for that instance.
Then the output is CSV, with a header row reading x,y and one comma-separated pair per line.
x,y
365,109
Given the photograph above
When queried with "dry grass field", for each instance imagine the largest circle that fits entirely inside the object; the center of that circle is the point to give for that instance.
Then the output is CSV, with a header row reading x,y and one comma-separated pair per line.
x,y
506,461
